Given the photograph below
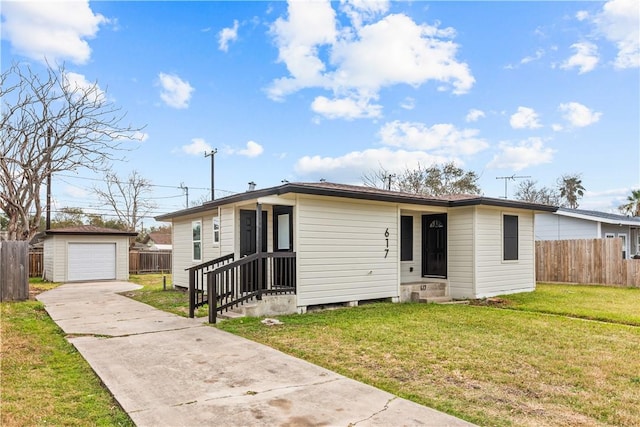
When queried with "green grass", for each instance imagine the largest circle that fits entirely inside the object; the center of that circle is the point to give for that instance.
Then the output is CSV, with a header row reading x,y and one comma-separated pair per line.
x,y
153,293
607,304
44,379
487,365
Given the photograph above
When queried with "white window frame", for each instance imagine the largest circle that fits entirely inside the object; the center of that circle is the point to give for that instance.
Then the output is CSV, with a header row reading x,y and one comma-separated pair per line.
x,y
194,240
215,226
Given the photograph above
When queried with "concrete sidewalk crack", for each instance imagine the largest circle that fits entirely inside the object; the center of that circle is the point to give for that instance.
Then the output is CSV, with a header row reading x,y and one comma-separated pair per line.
x,y
386,406
253,393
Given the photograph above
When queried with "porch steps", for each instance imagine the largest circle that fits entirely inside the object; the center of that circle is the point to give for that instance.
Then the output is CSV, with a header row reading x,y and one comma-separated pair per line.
x,y
431,293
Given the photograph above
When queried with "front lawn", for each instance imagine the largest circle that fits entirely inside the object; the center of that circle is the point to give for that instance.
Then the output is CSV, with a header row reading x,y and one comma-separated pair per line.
x,y
174,301
608,304
45,381
487,365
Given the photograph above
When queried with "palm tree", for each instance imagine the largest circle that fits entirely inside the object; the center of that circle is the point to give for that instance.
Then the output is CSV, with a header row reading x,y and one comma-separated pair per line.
x,y
632,207
571,189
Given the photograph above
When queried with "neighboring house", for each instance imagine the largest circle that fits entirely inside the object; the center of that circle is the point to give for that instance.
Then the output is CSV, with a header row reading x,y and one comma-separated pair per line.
x,y
569,224
355,243
86,253
156,241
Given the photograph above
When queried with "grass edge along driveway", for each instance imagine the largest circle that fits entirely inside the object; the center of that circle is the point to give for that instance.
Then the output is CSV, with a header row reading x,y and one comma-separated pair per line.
x,y
487,365
44,379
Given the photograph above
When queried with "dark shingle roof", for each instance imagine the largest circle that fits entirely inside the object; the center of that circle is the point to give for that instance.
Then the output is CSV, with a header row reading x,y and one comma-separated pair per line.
x,y
159,238
601,216
89,229
362,193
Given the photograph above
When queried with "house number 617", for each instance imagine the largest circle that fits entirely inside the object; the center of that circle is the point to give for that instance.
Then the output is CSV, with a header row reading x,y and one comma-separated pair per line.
x,y
386,249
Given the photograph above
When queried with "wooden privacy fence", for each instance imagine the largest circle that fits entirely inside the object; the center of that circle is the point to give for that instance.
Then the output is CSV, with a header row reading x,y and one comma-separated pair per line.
x,y
149,262
14,276
593,261
36,263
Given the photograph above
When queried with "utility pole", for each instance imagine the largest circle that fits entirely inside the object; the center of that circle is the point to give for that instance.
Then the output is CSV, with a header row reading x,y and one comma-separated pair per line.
x,y
48,154
510,178
186,192
212,154
388,179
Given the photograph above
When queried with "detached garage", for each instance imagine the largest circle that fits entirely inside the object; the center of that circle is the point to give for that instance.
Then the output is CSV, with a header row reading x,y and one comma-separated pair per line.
x,y
86,253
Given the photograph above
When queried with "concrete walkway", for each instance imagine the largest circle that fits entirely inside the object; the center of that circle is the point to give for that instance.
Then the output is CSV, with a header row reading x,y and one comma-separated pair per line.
x,y
166,370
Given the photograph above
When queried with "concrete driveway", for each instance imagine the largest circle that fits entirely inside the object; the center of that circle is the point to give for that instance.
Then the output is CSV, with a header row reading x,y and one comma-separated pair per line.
x,y
166,370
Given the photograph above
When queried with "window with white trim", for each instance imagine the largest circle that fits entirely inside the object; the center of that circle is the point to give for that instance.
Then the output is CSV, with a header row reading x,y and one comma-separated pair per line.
x,y
510,237
196,240
216,230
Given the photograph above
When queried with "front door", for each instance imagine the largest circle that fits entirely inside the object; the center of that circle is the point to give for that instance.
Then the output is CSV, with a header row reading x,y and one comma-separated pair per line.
x,y
434,245
248,233
283,268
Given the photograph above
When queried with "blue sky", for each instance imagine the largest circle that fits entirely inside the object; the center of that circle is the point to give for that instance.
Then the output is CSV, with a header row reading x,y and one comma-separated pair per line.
x,y
309,90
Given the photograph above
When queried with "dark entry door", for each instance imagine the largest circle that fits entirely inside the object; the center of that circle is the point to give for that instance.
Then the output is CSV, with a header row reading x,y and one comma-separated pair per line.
x,y
248,233
434,245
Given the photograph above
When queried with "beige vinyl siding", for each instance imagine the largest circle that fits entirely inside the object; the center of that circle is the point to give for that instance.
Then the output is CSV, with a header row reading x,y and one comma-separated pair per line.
x,y
182,251
48,260
227,222
182,242
340,250
494,276
57,246
460,232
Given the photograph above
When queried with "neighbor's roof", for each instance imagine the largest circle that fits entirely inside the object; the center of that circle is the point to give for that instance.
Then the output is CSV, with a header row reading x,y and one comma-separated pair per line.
x,y
89,230
607,218
359,192
159,238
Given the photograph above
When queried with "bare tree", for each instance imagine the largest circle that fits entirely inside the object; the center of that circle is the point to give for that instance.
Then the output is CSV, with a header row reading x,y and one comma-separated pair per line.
x,y
380,178
128,198
529,192
435,180
50,124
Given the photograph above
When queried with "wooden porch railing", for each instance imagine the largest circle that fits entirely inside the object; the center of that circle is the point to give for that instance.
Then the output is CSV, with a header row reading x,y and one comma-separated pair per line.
x,y
234,284
197,284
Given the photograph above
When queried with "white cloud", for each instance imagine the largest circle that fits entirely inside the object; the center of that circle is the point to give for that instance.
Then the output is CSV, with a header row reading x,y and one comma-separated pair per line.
x,y
474,114
176,92
525,118
538,55
55,31
197,147
578,115
252,149
350,167
440,139
360,11
356,61
619,21
408,103
346,108
530,152
557,127
585,59
78,83
581,15
227,35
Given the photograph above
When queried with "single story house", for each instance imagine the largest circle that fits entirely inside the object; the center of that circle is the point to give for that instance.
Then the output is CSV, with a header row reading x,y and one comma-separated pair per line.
x,y
156,241
353,243
570,224
86,253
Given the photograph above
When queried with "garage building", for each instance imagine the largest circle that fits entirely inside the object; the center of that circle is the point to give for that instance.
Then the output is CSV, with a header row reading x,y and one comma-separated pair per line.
x,y
86,253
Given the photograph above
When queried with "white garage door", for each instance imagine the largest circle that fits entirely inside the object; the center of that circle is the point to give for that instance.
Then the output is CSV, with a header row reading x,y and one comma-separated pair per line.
x,y
91,261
